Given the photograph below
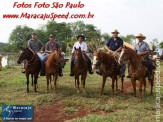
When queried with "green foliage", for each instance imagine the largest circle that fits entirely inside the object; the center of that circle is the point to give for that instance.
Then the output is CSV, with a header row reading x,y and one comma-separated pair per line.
x,y
129,38
161,45
2,45
155,43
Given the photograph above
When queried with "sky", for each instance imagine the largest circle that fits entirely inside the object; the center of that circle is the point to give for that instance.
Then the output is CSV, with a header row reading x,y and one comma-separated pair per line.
x,y
128,16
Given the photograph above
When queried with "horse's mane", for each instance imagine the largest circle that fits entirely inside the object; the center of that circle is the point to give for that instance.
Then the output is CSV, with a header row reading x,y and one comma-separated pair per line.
x,y
132,52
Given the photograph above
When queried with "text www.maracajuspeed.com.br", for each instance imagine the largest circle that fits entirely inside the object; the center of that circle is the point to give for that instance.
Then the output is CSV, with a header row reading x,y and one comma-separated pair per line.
x,y
52,16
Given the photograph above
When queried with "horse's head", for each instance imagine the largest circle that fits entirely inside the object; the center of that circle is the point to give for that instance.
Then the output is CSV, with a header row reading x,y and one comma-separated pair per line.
x,y
97,59
24,53
77,54
124,56
60,56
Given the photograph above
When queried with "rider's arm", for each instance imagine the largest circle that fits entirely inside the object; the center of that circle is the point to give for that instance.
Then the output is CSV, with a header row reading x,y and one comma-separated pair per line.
x,y
42,46
144,53
120,46
147,50
47,50
107,46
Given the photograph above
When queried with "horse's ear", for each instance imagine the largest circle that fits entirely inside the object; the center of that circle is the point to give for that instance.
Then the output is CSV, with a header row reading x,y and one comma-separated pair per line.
x,y
21,48
79,48
124,46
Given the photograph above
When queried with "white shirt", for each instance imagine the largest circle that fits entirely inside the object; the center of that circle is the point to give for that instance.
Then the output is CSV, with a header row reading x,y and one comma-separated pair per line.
x,y
82,45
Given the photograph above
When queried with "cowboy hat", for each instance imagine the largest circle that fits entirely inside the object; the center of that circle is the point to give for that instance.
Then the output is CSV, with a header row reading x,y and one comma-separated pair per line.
x,y
141,35
115,31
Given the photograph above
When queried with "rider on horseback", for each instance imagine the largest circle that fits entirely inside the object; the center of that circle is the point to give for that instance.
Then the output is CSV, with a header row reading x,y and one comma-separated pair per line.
x,y
83,45
36,46
114,46
142,49
51,46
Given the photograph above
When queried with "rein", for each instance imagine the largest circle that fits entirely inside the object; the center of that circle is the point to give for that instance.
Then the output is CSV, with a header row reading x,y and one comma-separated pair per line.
x,y
34,56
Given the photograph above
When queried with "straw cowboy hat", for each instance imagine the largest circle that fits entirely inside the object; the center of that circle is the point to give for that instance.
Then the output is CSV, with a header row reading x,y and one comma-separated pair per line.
x,y
115,31
141,35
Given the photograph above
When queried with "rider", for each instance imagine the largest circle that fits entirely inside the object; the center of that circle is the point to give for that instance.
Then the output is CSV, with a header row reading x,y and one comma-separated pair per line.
x,y
51,46
83,45
142,49
114,45
36,46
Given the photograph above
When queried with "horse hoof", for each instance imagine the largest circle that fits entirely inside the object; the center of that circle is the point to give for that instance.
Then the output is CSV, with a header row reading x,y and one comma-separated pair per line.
x,y
151,94
78,91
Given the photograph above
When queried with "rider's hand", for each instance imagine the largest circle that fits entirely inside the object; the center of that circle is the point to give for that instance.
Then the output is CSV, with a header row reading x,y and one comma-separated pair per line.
x,y
140,54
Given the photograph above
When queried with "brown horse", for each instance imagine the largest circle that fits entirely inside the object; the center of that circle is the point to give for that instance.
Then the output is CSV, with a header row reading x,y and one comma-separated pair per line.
x,y
32,65
110,68
80,68
138,70
0,62
52,64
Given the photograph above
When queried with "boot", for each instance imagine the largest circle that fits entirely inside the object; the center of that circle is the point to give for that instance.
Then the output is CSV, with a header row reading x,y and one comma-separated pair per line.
x,y
90,70
23,70
100,72
60,71
72,73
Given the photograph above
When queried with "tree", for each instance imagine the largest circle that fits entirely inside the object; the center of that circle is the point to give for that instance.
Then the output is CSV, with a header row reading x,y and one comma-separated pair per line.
x,y
154,43
161,45
20,35
129,38
77,28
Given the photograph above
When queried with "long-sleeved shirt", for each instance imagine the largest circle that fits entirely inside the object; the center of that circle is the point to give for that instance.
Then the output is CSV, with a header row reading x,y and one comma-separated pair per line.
x,y
82,45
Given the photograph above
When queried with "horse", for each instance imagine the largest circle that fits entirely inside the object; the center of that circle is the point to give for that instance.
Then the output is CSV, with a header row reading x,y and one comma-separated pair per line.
x,y
110,68
0,62
80,68
137,70
52,64
32,65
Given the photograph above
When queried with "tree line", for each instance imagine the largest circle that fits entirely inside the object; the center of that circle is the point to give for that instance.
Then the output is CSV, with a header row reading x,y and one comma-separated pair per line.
x,y
65,34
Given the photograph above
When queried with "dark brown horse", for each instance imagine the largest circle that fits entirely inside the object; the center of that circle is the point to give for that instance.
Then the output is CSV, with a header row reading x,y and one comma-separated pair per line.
x,y
80,68
138,70
52,64
32,65
110,68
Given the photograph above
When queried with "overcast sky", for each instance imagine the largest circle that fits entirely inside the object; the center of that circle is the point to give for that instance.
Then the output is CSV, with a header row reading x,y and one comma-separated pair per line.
x,y
128,16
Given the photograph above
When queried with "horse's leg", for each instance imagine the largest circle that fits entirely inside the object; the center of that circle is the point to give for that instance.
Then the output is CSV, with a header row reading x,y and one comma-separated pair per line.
x,y
133,81
35,82
113,80
103,84
116,83
50,82
27,76
140,88
151,82
77,83
32,79
122,79
84,78
55,83
144,87
47,83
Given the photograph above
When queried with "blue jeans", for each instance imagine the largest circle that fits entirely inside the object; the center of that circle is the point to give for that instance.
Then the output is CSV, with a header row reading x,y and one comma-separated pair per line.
x,y
150,64
42,59
88,61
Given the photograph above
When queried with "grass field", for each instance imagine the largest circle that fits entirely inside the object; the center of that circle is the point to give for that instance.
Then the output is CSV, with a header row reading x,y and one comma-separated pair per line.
x,y
124,107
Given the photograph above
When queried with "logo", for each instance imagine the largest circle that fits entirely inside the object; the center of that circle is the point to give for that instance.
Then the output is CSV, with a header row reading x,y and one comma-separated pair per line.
x,y
17,112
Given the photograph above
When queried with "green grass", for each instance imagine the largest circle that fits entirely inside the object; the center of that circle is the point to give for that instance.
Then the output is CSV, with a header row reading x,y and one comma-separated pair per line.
x,y
124,107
